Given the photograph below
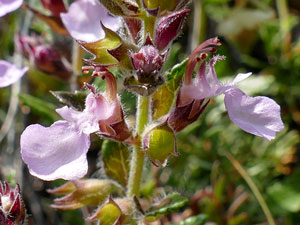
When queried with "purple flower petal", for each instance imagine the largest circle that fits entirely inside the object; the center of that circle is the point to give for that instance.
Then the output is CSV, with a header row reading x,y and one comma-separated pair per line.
x,y
55,152
256,115
83,20
205,84
9,73
96,109
7,6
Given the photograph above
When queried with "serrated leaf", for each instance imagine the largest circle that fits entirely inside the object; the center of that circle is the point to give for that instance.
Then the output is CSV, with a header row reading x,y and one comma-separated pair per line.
x,y
171,203
75,100
100,48
164,96
40,107
115,157
193,220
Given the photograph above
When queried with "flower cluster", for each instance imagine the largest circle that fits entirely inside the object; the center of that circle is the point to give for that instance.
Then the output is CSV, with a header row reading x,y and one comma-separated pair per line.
x,y
134,37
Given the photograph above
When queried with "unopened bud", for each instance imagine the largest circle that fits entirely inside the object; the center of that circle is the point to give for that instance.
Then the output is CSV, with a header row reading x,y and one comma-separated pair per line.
x,y
147,63
12,209
168,29
89,192
159,142
50,61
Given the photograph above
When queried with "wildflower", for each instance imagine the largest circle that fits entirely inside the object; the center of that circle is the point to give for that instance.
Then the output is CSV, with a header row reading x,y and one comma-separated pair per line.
x,y
9,73
83,20
59,151
12,209
256,115
9,6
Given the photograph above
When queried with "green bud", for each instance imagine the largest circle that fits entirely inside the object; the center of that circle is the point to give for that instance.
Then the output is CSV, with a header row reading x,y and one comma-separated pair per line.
x,y
113,212
89,192
159,142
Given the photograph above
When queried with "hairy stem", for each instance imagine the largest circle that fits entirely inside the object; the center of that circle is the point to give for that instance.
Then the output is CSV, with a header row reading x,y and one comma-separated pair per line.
x,y
252,186
137,160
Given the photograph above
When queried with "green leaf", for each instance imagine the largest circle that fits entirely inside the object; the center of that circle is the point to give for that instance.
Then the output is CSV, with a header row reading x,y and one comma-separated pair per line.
x,y
115,157
40,107
169,204
193,220
165,94
100,48
75,100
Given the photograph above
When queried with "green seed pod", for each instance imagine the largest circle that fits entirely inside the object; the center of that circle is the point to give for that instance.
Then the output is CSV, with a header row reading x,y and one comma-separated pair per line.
x,y
159,142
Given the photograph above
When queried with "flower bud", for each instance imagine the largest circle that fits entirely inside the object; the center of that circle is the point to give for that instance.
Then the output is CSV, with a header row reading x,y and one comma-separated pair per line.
x,y
168,28
159,142
89,192
55,6
147,63
12,209
44,58
118,211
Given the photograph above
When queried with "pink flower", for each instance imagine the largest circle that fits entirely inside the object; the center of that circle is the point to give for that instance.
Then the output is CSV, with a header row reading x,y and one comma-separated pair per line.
x,y
256,115
7,6
9,73
59,151
83,20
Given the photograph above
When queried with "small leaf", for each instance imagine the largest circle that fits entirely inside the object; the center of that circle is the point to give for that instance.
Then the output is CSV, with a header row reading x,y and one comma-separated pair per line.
x,y
163,98
40,107
193,220
75,100
171,203
100,48
115,157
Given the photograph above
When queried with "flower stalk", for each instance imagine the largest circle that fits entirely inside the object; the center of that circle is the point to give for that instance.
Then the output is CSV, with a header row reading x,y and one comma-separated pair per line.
x,y
137,160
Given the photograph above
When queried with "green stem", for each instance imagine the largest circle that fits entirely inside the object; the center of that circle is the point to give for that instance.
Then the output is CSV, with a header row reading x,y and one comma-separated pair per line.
x,y
76,64
137,160
252,186
283,14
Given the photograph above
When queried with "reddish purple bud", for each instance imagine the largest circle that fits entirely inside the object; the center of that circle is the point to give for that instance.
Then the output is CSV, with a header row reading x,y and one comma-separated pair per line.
x,y
49,60
147,63
44,58
12,209
168,28
55,6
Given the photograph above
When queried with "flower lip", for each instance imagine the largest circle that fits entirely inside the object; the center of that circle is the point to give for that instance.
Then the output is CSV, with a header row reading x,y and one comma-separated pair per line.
x,y
9,73
7,6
